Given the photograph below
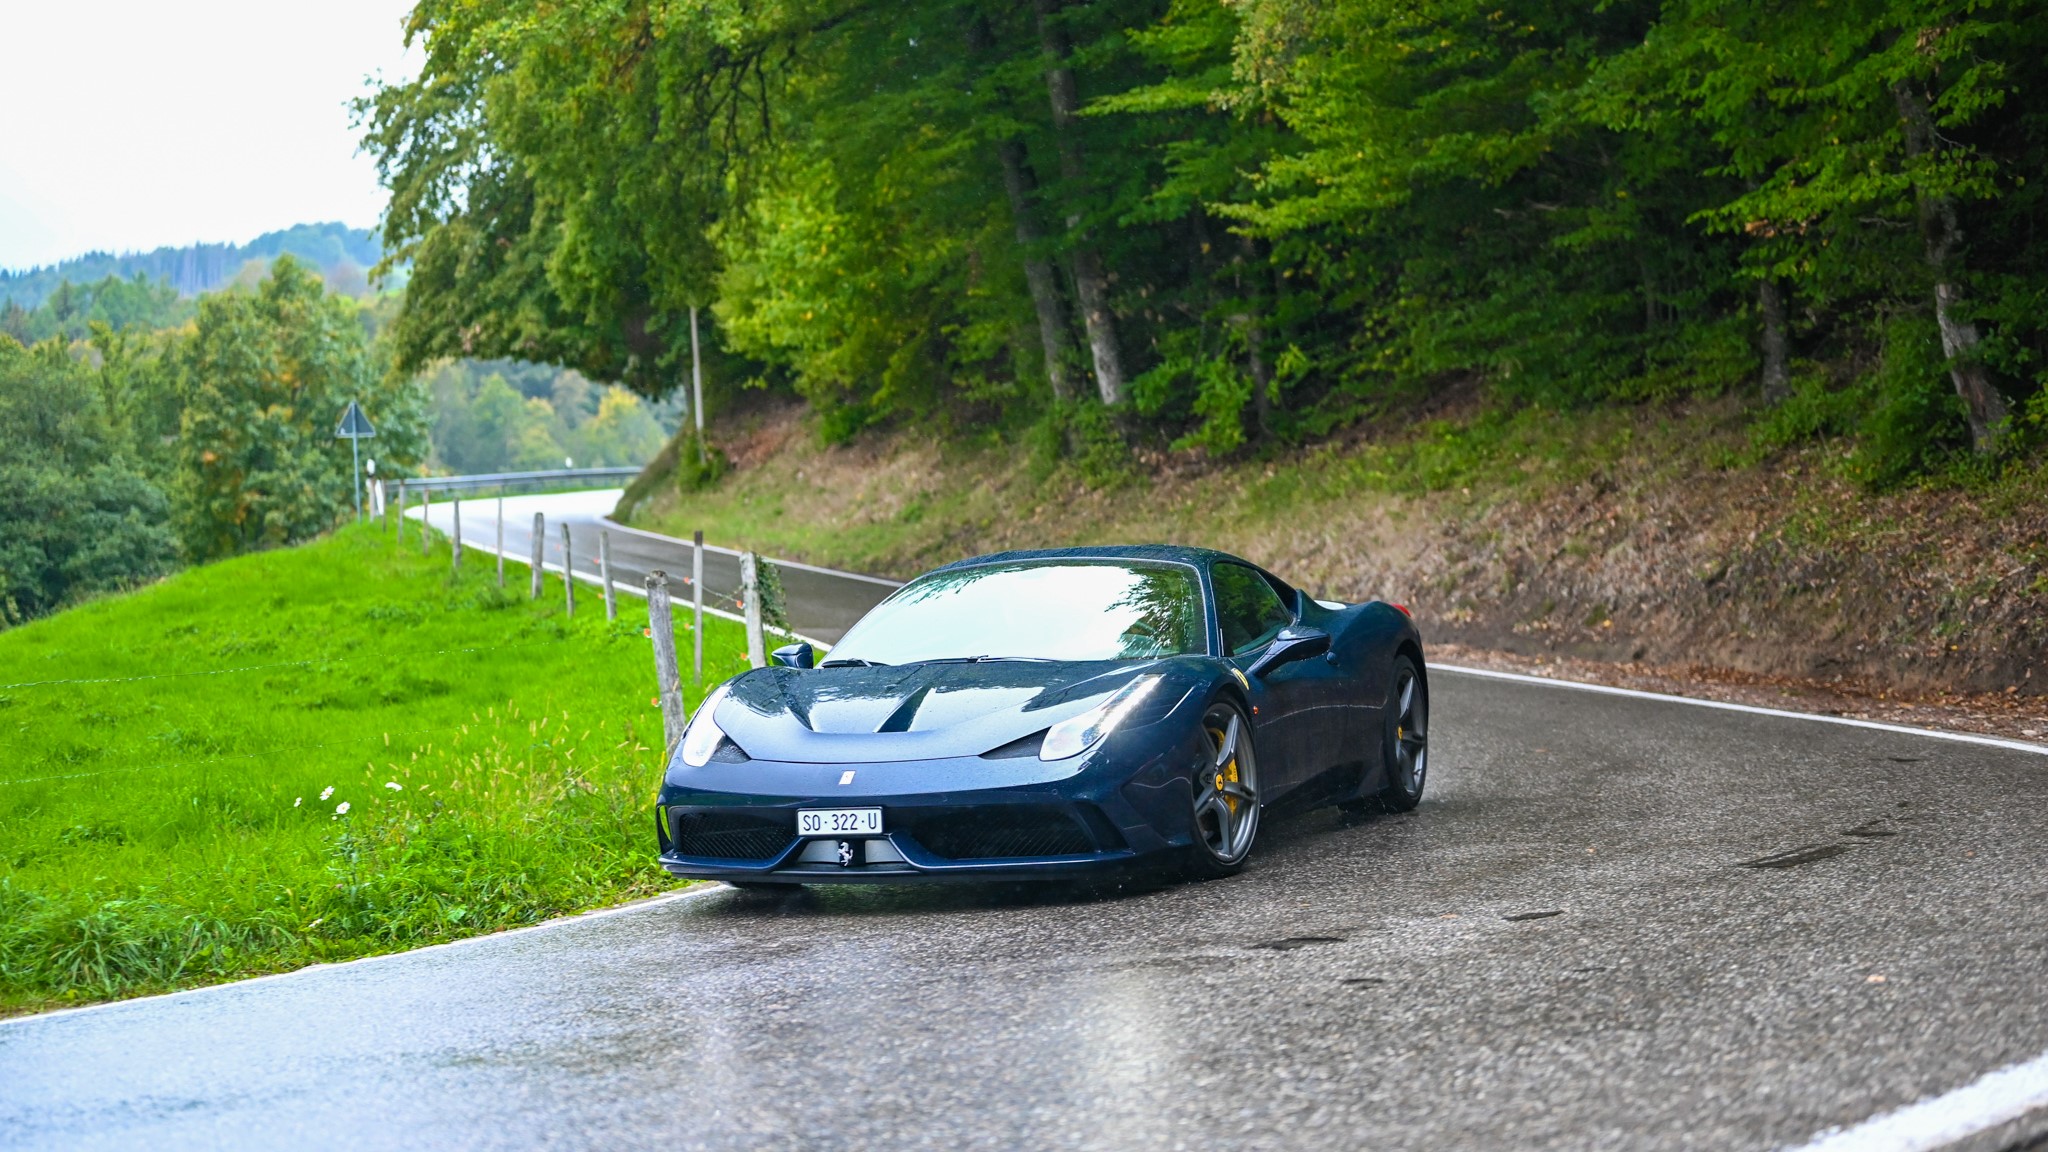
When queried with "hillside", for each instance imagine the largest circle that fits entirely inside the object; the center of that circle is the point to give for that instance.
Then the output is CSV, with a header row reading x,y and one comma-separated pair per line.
x,y
342,254
1659,537
311,754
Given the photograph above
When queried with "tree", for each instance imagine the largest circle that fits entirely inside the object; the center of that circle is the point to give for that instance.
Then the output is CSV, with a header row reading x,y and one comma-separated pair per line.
x,y
77,515
262,380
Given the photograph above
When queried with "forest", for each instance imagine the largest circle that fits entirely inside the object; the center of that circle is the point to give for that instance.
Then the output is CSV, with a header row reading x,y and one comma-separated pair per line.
x,y
1227,226
146,429
339,253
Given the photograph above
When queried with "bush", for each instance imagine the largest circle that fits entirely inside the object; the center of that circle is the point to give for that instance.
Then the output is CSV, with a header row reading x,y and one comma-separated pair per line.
x,y
1917,424
699,463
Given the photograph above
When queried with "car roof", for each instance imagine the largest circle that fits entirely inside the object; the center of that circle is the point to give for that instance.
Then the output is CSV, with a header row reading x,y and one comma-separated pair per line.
x,y
1170,553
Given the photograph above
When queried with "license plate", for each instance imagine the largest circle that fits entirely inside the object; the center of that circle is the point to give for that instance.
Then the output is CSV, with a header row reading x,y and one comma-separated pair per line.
x,y
839,822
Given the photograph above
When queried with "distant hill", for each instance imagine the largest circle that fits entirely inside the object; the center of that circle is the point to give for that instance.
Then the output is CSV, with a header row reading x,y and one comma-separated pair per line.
x,y
340,253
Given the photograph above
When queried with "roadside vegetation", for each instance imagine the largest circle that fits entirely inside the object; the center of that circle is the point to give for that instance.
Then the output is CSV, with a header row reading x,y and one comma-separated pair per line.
x,y
316,753
1677,534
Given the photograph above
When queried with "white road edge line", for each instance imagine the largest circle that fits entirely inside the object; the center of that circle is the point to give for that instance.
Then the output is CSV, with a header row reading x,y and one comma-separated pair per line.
x,y
1845,721
695,890
1939,1121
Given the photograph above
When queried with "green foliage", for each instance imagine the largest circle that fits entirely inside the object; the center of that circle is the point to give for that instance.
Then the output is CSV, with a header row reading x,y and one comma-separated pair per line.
x,y
339,252
71,311
262,380
1084,438
162,818
699,464
499,416
1308,211
1916,424
774,601
78,516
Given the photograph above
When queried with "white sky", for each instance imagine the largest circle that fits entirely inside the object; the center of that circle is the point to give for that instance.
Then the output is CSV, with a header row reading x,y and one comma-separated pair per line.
x,y
130,125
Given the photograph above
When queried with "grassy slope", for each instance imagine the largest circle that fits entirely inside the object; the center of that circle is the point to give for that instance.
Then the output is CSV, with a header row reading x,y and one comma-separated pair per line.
x,y
1656,533
165,816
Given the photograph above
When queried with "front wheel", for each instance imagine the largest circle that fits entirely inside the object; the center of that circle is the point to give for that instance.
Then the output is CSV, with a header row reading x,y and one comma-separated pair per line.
x,y
1226,792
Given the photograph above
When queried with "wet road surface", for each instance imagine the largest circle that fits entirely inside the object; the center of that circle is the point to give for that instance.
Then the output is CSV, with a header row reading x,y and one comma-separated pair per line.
x,y
822,603
1561,948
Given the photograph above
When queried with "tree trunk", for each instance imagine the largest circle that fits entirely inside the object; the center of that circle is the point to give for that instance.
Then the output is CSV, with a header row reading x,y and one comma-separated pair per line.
x,y
1770,305
1255,345
1942,234
1019,182
1091,283
1262,374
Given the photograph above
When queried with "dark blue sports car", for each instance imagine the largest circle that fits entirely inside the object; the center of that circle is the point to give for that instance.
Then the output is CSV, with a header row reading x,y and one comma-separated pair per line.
x,y
1042,714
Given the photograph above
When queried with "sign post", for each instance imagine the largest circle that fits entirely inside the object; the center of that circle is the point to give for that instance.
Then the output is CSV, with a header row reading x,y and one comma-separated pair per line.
x,y
355,428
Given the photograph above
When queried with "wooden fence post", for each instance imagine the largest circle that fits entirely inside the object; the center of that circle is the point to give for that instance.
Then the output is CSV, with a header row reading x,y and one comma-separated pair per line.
x,y
426,517
604,572
757,652
501,543
568,573
697,605
667,677
540,542
399,528
455,540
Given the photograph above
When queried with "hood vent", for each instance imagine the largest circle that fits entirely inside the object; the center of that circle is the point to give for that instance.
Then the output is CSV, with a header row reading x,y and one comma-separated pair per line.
x,y
899,720
1021,748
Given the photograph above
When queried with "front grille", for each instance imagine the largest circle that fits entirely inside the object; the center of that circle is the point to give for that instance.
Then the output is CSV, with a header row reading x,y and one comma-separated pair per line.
x,y
999,831
733,835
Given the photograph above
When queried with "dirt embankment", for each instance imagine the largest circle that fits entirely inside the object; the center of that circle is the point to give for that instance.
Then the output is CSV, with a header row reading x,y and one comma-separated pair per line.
x,y
1640,556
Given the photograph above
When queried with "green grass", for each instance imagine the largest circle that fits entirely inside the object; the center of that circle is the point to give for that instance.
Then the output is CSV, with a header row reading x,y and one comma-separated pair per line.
x,y
177,760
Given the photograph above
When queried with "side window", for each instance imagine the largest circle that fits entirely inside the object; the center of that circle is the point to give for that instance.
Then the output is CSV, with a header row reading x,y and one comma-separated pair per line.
x,y
1248,610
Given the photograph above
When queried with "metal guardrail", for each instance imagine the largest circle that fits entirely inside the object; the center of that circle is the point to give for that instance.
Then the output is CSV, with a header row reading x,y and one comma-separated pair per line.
x,y
557,477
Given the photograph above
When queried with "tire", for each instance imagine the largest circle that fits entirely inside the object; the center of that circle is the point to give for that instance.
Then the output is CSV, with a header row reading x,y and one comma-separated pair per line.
x,y
1405,740
1225,796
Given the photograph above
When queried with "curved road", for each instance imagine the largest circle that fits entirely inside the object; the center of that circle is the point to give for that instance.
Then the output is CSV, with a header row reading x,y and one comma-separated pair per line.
x,y
1562,947
822,603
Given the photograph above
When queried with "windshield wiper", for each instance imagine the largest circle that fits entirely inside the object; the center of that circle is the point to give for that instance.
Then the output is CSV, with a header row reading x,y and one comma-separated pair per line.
x,y
852,662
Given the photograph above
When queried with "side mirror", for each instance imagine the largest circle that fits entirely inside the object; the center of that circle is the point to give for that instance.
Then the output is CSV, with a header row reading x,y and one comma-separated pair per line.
x,y
1295,642
796,656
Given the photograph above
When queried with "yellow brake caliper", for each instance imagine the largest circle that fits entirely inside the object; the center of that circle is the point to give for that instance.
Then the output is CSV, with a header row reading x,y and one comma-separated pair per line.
x,y
1225,774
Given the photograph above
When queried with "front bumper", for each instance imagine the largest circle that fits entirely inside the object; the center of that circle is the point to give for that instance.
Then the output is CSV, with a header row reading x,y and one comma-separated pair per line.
x,y
970,819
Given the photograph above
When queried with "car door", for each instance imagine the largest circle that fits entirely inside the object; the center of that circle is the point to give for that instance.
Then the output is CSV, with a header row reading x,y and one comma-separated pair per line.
x,y
1249,613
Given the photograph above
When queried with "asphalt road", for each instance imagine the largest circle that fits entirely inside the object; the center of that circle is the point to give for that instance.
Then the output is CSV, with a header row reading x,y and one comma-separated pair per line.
x,y
822,603
1363,984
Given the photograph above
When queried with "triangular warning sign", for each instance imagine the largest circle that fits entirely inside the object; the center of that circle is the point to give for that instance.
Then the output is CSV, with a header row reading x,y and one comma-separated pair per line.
x,y
354,425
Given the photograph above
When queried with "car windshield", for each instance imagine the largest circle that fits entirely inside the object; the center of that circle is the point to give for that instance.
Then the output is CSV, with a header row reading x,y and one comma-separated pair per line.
x,y
1058,610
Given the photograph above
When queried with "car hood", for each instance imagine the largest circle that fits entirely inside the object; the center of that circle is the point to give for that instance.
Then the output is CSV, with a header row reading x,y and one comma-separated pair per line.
x,y
909,712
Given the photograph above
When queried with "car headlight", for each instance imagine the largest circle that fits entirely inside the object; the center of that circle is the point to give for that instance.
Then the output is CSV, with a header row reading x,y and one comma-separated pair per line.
x,y
1077,735
703,735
